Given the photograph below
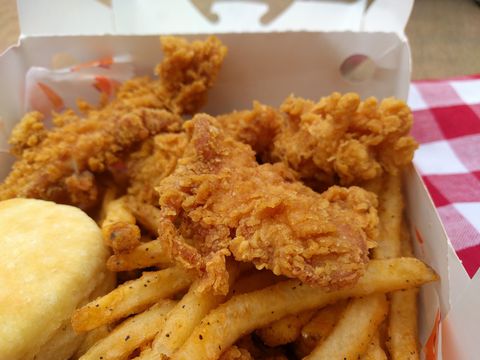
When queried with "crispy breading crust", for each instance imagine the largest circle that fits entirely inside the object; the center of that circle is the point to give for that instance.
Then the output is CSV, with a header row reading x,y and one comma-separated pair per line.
x,y
220,201
339,139
62,164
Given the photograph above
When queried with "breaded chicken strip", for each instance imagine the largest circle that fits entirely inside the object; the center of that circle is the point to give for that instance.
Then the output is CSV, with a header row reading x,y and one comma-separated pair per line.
x,y
154,161
257,127
219,201
61,168
339,139
62,164
187,72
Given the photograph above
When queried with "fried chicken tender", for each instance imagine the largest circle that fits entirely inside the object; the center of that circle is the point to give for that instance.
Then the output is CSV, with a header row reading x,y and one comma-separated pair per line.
x,y
61,168
219,201
257,127
28,133
62,164
189,70
154,161
339,139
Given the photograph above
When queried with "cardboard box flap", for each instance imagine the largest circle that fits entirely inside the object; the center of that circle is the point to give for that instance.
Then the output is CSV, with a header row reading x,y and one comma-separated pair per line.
x,y
460,327
325,62
201,16
89,17
97,17
388,15
458,276
12,73
430,240
57,17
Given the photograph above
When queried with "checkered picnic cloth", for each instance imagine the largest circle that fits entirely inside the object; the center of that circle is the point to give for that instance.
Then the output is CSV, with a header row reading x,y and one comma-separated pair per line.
x,y
447,126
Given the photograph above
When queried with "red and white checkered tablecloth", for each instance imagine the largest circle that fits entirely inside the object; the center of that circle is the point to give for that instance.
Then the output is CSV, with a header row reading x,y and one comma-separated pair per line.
x,y
447,126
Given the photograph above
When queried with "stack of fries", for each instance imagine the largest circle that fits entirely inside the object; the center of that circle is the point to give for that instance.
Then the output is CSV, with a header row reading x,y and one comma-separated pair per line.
x,y
163,315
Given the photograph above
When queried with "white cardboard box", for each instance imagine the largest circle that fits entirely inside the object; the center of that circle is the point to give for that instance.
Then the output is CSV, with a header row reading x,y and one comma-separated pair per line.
x,y
300,51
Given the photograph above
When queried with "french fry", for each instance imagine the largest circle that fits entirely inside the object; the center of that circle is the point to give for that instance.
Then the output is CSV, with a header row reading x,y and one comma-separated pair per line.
x,y
146,214
130,298
390,215
318,328
383,333
375,185
374,350
147,254
352,334
91,338
95,335
130,334
109,195
117,210
402,325
258,350
402,341
188,313
253,281
406,240
121,236
389,245
285,330
256,309
118,229
394,241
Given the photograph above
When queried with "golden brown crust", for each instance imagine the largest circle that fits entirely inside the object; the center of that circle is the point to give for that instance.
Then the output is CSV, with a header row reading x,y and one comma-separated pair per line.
x,y
219,200
339,139
257,127
155,160
28,133
62,164
61,167
189,70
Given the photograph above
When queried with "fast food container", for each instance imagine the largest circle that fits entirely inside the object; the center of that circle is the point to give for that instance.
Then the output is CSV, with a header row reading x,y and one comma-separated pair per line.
x,y
311,49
